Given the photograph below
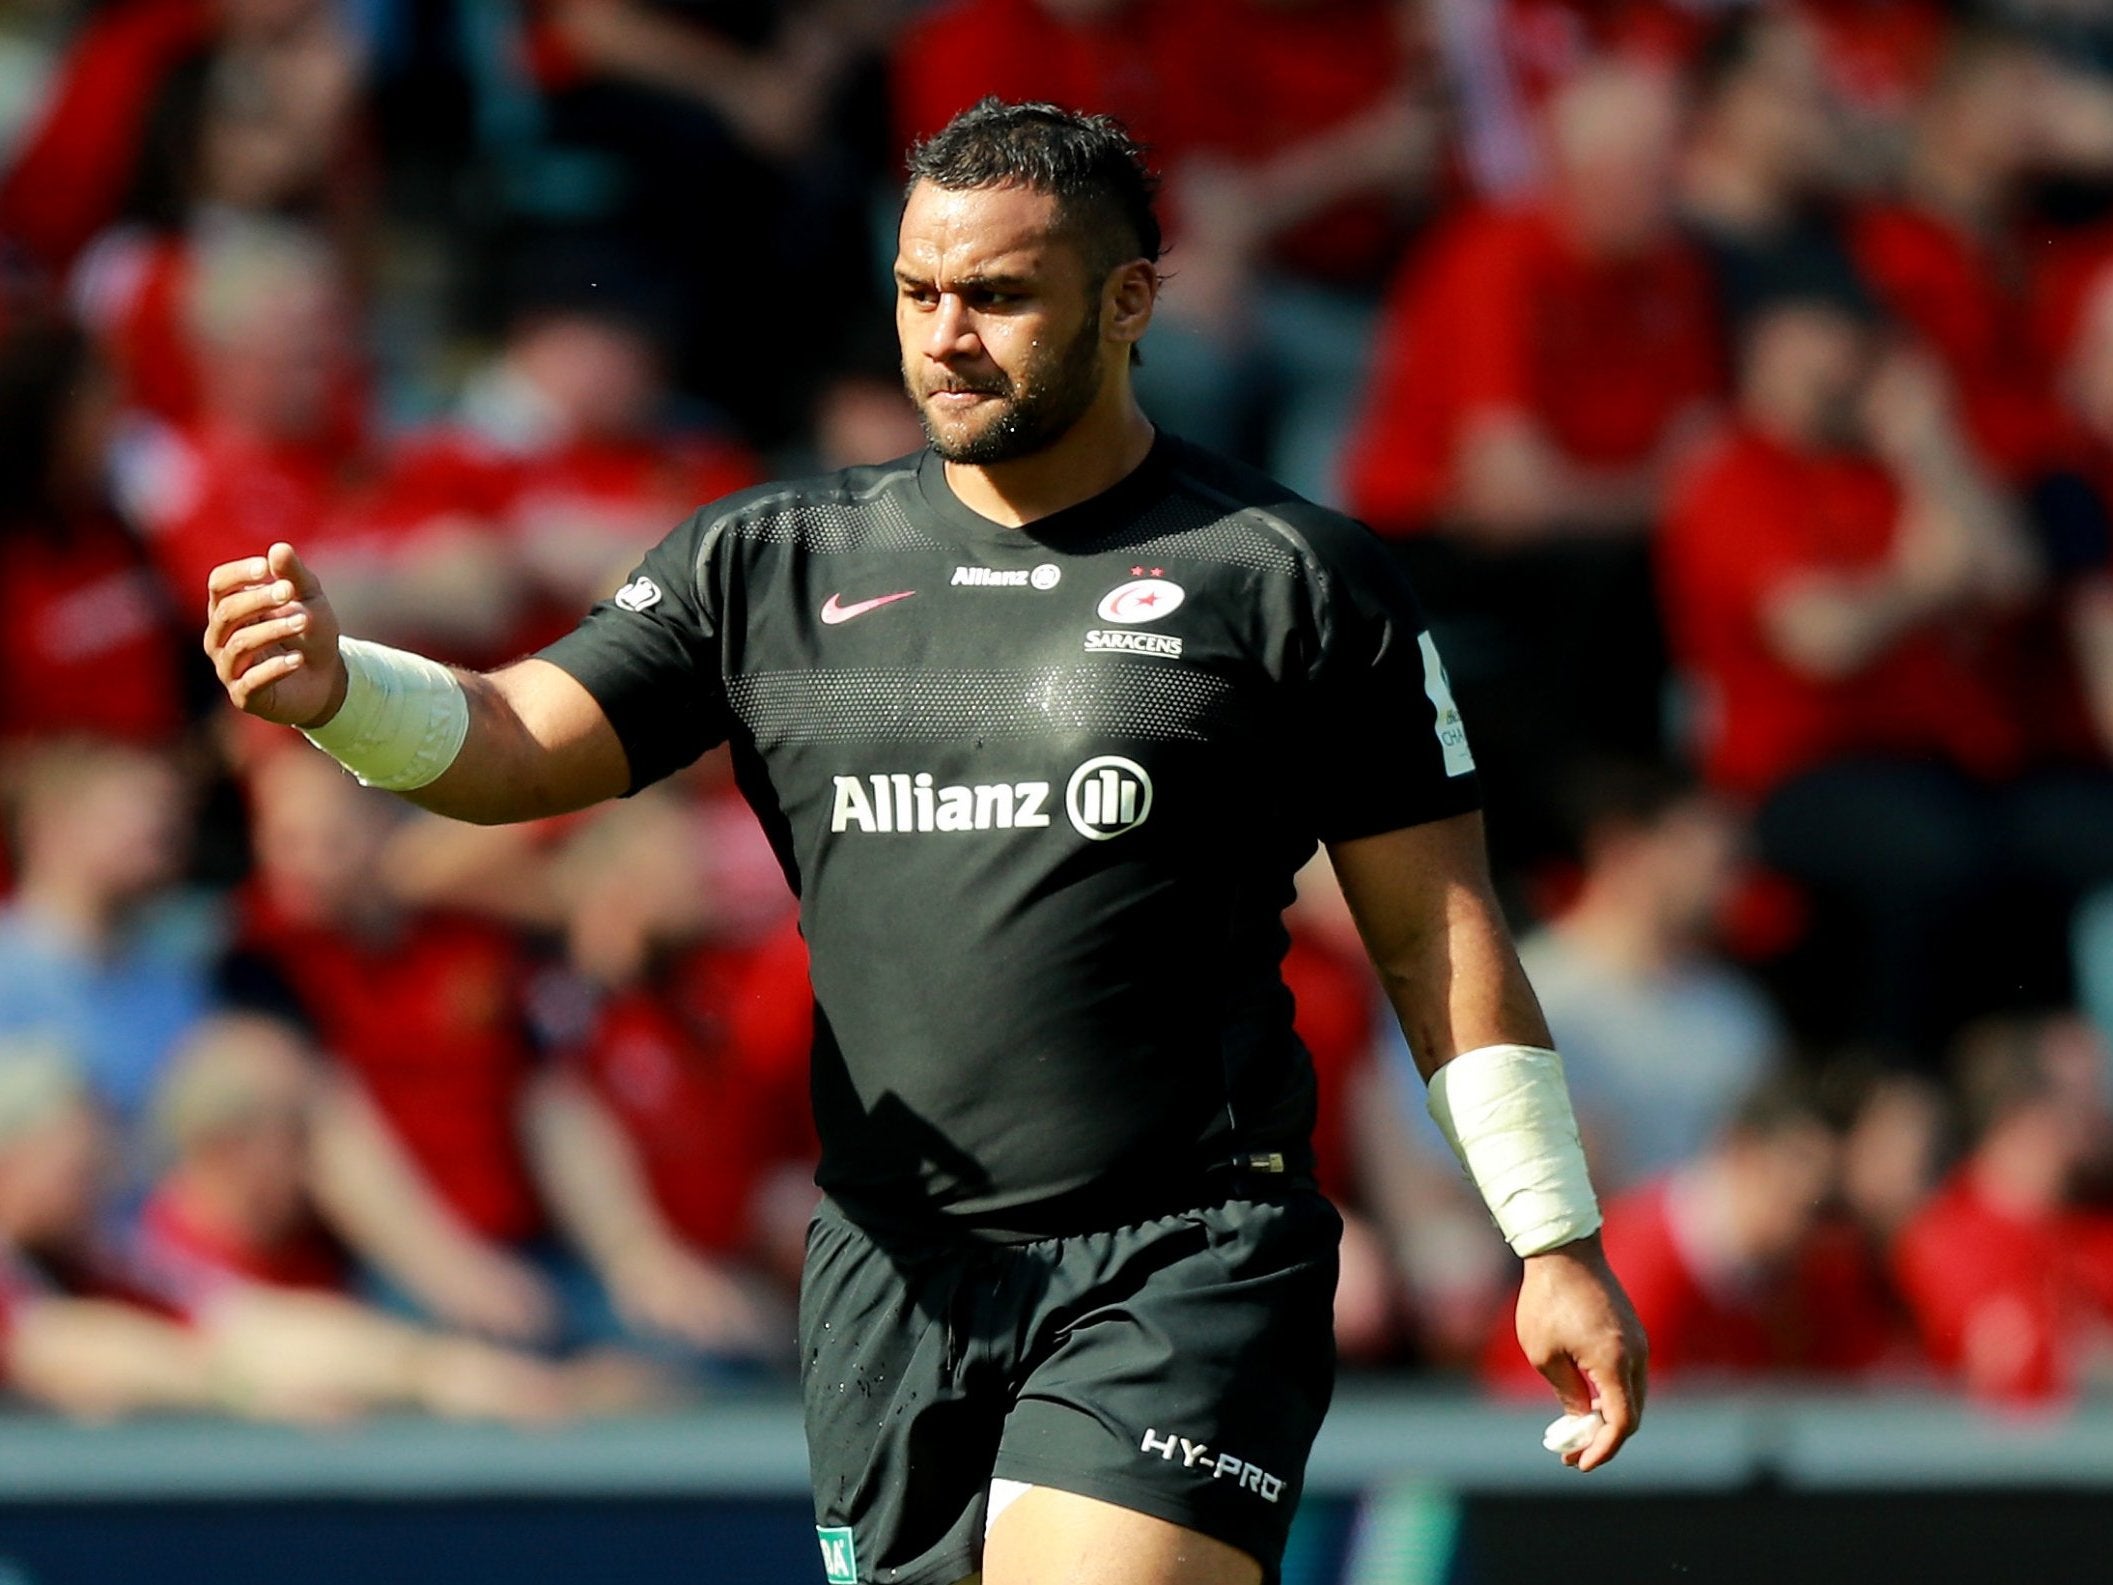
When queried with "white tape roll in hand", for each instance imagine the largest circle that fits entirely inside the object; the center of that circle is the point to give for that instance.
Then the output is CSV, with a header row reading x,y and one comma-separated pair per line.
x,y
1573,1433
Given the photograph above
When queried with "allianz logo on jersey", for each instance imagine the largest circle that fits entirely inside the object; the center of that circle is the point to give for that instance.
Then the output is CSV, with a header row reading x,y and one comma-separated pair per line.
x,y
1046,576
1105,797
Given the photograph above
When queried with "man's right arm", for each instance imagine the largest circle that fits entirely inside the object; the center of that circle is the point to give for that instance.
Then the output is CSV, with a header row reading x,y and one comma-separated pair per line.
x,y
536,744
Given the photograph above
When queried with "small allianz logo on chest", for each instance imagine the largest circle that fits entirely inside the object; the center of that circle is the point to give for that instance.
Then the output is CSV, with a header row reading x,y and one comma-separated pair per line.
x,y
1047,576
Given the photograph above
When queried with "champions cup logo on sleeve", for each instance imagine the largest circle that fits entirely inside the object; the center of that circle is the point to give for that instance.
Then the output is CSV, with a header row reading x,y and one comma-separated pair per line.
x,y
638,594
1452,733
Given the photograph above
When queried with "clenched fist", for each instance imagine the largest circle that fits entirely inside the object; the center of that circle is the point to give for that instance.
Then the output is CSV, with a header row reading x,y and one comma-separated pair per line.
x,y
273,639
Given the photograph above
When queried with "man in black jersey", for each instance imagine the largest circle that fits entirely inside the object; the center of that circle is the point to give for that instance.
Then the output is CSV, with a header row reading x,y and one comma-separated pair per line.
x,y
1041,721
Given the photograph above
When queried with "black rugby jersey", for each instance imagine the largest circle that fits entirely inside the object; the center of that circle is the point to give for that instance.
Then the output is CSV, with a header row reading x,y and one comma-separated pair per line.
x,y
1041,792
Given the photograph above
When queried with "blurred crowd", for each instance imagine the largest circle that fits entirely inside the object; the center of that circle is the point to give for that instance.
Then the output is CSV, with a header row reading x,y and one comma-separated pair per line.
x,y
1734,377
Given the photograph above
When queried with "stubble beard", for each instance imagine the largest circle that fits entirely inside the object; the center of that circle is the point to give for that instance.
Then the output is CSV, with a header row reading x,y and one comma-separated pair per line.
x,y
1028,415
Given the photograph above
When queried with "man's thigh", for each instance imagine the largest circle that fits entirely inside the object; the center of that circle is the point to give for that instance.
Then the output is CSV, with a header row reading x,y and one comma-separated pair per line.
x,y
1051,1537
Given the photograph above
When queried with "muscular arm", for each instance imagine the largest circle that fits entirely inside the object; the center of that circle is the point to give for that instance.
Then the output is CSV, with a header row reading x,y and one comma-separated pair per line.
x,y
538,744
1429,917
1423,903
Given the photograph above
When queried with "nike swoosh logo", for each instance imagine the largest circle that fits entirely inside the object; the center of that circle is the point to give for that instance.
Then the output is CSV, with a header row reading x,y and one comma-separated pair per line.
x,y
833,612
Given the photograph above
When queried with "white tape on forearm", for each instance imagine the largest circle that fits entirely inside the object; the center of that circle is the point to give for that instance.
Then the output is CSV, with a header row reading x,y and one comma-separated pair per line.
x,y
1506,1112
403,719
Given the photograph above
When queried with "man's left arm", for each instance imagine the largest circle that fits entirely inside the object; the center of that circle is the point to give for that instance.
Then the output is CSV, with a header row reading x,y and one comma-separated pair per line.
x,y
1429,917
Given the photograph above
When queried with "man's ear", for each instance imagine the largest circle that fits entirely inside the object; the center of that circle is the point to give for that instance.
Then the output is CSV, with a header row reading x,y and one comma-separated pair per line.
x,y
1127,299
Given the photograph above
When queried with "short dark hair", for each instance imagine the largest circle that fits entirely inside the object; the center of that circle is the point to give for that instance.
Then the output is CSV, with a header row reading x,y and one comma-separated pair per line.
x,y
1780,1105
1611,793
1100,176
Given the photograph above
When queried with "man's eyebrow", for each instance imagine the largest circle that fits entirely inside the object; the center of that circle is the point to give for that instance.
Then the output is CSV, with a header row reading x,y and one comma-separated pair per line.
x,y
983,280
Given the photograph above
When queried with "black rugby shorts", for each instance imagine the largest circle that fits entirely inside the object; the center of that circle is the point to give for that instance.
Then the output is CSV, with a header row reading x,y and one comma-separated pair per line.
x,y
1179,1367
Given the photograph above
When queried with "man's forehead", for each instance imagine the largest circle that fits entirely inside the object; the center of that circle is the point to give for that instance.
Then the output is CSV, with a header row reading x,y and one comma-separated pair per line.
x,y
978,230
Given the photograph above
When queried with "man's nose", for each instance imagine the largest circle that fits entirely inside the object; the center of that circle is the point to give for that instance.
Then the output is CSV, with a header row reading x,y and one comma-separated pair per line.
x,y
952,335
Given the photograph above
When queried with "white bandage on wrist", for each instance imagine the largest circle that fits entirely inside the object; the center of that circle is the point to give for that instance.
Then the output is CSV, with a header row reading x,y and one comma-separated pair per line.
x,y
403,719
1506,1112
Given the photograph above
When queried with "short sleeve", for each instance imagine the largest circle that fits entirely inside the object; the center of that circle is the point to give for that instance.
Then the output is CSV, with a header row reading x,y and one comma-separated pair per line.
x,y
1382,741
649,655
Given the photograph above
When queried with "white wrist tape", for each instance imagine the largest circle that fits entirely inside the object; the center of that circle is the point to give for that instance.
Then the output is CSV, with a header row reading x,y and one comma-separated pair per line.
x,y
1506,1112
403,719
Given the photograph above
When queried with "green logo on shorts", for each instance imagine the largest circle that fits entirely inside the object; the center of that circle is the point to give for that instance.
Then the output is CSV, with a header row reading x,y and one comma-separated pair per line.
x,y
839,1556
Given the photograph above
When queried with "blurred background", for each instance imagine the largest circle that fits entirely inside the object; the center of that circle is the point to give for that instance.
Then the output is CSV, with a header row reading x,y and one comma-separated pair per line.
x,y
1735,381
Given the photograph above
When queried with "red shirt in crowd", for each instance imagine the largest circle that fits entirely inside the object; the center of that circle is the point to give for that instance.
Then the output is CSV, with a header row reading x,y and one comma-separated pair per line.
x,y
1150,65
1334,997
2006,1300
131,292
428,1020
78,162
1879,55
198,1262
706,1070
1296,73
1746,522
215,495
79,607
1504,315
1550,41
1826,1314
1977,314
607,498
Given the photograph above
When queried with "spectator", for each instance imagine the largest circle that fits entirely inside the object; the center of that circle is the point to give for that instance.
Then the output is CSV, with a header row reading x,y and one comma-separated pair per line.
x,y
422,1164
71,176
1541,368
278,427
1506,60
93,952
78,602
1543,361
231,1200
72,1338
2009,1277
1660,1037
677,1131
561,470
1287,232
1719,1257
1766,162
231,1234
1949,259
767,112
2079,693
1837,572
262,125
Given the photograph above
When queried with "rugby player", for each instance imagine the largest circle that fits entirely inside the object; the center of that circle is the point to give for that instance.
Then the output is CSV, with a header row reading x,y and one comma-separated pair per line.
x,y
1041,721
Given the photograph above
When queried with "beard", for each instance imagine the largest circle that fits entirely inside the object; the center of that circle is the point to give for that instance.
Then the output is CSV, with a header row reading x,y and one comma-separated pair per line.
x,y
1024,415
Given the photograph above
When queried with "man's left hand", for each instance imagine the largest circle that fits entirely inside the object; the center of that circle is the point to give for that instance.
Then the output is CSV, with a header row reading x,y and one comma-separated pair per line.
x,y
1580,1331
